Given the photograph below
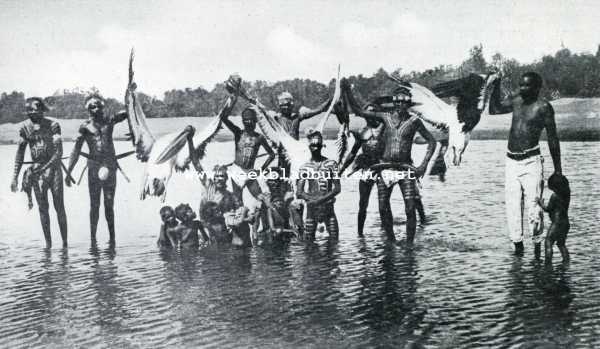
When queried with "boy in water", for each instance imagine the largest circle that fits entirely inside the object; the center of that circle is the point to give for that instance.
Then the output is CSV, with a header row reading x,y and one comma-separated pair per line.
x,y
168,236
558,207
189,227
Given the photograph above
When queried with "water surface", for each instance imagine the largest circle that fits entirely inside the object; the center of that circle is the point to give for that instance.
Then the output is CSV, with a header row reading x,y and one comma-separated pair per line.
x,y
459,287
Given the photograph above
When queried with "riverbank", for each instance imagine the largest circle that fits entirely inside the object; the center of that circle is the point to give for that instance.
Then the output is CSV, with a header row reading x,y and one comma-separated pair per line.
x,y
577,119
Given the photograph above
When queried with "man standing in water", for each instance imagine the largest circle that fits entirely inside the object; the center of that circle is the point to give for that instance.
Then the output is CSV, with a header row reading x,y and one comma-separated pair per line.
x,y
370,141
247,144
323,185
102,162
399,132
44,140
524,170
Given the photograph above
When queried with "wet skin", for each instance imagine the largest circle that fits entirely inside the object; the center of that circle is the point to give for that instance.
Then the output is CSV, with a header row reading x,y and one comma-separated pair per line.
x,y
44,139
530,116
97,134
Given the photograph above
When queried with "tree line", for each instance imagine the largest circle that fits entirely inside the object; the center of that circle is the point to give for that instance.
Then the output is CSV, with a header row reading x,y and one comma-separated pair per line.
x,y
566,74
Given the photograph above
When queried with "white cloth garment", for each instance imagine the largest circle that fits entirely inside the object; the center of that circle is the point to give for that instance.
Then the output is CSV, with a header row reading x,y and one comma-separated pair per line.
x,y
523,186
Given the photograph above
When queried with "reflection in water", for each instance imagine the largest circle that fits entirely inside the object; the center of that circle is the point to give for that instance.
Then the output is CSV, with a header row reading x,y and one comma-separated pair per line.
x,y
460,286
538,303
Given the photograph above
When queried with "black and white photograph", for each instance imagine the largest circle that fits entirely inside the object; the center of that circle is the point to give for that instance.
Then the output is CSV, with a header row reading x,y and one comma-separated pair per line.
x,y
299,174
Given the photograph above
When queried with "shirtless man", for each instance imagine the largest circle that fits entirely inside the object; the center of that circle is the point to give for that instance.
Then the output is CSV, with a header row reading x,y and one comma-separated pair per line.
x,y
370,141
247,144
399,132
102,164
44,140
524,170
321,175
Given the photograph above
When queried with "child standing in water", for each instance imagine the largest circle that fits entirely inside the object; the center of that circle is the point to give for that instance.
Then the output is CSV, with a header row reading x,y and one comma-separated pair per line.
x,y
189,227
558,207
169,236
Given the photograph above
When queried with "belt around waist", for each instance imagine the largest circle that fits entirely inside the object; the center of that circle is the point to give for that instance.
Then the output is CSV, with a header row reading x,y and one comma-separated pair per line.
x,y
524,155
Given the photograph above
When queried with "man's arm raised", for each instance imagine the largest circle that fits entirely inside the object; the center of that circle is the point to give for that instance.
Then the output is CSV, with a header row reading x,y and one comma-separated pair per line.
x,y
353,104
306,113
553,142
497,105
224,115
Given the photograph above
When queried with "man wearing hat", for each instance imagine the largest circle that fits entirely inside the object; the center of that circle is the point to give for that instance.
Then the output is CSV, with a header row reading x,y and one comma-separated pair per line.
x,y
102,164
44,140
400,129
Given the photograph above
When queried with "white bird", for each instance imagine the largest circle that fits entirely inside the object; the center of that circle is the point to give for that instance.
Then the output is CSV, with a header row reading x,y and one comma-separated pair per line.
x,y
162,154
473,92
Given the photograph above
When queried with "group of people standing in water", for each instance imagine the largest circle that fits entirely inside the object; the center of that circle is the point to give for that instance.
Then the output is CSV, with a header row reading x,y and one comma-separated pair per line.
x,y
296,207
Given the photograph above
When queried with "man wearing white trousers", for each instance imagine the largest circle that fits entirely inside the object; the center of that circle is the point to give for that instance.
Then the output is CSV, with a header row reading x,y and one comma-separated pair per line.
x,y
524,163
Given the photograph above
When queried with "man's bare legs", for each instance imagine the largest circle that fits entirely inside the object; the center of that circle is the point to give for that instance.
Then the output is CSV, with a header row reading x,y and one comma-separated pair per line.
x,y
95,188
364,189
411,219
59,205
385,210
41,197
109,187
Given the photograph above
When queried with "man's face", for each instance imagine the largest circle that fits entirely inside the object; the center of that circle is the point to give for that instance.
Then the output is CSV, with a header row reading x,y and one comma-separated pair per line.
x,y
96,107
249,121
220,179
34,110
315,144
168,216
189,214
527,87
285,105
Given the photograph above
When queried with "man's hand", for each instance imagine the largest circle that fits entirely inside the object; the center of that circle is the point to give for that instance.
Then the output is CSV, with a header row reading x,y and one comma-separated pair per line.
x,y
69,180
14,185
420,171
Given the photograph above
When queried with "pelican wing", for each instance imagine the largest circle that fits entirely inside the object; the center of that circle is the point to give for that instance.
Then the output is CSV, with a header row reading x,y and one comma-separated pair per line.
x,y
432,108
139,132
473,91
201,140
295,151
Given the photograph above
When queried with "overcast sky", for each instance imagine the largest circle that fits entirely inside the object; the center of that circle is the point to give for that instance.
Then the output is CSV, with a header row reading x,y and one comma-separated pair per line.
x,y
51,45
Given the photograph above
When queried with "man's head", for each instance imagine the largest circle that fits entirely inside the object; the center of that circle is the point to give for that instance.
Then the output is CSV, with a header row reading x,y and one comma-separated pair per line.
x,y
35,108
185,213
530,85
167,214
95,105
249,119
286,103
315,141
220,176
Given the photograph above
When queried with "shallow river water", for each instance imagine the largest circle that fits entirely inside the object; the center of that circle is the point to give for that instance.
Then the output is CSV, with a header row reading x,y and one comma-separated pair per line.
x,y
460,286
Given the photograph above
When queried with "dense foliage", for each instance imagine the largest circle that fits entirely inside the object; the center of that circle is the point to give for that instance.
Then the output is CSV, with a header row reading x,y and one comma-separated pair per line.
x,y
565,74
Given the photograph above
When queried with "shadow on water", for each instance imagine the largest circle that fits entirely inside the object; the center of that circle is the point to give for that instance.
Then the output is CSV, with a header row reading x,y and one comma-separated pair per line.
x,y
538,305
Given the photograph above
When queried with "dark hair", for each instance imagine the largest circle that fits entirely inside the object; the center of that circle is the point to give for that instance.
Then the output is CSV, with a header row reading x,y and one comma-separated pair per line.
x,y
220,168
180,210
164,209
249,111
39,100
314,134
537,78
560,185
